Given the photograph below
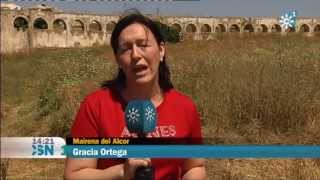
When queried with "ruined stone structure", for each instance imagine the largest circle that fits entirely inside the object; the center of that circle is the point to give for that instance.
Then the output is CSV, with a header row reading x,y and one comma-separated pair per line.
x,y
43,26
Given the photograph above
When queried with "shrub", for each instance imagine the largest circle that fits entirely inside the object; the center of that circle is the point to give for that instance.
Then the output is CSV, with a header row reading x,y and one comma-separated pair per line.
x,y
170,34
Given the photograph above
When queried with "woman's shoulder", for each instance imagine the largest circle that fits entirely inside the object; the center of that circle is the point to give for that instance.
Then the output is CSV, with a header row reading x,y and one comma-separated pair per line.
x,y
100,94
180,97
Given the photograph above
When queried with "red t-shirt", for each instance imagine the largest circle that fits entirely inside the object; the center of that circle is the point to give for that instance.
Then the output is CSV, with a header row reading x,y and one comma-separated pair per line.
x,y
101,114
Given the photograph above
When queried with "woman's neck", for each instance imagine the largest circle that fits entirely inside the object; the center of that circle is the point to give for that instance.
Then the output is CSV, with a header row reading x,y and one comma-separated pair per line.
x,y
151,91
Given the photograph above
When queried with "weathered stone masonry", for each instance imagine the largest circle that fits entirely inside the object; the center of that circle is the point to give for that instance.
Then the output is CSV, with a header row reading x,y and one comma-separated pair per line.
x,y
34,28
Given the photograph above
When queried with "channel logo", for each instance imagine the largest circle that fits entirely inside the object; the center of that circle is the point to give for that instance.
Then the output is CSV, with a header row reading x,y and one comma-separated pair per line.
x,y
32,147
288,20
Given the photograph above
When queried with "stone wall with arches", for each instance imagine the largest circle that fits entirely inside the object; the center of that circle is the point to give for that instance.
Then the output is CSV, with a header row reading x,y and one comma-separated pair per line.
x,y
35,28
24,29
206,27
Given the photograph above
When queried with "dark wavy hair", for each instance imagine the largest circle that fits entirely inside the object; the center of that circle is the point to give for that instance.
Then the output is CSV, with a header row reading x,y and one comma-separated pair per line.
x,y
120,80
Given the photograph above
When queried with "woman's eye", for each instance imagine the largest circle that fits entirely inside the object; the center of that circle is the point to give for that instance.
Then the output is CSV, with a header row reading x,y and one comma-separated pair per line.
x,y
143,45
123,49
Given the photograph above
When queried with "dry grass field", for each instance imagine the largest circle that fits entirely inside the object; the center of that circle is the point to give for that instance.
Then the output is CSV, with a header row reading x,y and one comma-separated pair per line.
x,y
248,90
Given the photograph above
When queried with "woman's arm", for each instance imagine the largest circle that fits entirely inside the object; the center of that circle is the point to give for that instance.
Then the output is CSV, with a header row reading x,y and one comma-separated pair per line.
x,y
194,169
87,169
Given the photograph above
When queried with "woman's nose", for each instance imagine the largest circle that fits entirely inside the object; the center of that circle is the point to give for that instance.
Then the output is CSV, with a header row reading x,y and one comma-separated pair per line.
x,y
135,53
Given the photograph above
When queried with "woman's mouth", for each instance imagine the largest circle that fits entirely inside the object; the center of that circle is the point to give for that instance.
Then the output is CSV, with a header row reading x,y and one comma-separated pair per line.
x,y
139,70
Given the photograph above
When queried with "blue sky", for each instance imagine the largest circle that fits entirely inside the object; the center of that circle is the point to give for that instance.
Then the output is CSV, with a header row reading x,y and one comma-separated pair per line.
x,y
305,8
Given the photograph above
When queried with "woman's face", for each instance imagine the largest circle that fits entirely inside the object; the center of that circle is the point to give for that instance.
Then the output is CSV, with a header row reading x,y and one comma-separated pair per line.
x,y
139,54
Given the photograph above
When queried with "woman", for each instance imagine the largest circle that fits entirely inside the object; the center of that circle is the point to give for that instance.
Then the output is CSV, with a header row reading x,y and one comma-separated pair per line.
x,y
139,50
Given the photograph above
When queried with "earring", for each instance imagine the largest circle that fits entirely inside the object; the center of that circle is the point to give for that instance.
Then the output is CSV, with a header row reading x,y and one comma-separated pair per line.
x,y
161,59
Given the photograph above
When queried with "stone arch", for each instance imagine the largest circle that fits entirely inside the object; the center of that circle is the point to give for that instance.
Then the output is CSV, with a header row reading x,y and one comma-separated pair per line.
x,y
59,25
317,28
110,26
177,27
304,28
220,28
20,23
290,29
264,28
77,25
40,23
205,28
248,28
191,28
276,28
234,28
95,26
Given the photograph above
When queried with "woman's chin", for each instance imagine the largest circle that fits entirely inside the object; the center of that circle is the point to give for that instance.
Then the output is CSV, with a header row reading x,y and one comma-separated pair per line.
x,y
140,80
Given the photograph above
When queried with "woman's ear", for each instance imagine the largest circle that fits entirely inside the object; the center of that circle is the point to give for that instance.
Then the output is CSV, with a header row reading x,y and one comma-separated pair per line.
x,y
162,50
